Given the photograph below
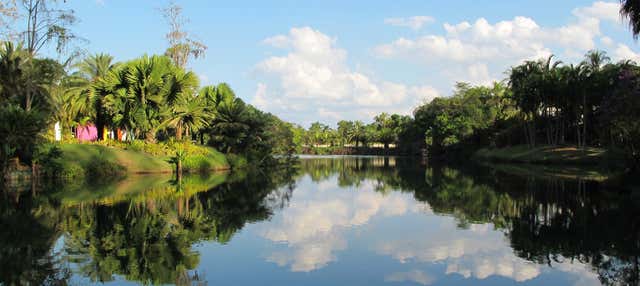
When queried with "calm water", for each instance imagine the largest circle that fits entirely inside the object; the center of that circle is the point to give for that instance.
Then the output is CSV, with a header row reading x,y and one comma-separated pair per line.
x,y
328,221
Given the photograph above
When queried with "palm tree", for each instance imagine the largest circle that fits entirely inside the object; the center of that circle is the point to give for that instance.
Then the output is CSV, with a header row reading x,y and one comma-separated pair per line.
x,y
136,94
25,80
230,125
359,132
593,63
11,61
631,10
190,116
179,90
82,87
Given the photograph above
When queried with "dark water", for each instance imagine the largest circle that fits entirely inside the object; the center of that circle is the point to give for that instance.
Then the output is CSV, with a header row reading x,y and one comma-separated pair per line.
x,y
328,221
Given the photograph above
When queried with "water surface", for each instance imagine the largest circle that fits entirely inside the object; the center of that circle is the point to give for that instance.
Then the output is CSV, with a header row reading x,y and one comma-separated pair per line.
x,y
327,221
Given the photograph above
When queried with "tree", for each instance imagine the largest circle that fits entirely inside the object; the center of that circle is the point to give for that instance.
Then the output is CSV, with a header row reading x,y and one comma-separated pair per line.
x,y
593,63
359,132
138,94
345,131
630,9
181,45
46,24
621,114
19,131
179,91
189,116
230,127
82,87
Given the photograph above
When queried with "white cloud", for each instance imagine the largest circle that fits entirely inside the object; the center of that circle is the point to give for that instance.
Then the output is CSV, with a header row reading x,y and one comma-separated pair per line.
x,y
313,78
608,11
480,51
623,52
415,22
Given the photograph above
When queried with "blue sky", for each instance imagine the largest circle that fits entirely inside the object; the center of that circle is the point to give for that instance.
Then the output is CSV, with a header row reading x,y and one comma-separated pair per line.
x,y
328,60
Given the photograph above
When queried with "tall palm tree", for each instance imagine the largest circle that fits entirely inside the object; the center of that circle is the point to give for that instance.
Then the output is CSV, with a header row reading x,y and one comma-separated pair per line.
x,y
595,85
631,10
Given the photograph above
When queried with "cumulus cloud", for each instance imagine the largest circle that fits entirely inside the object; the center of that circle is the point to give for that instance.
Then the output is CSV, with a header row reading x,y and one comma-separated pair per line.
x,y
623,52
480,51
608,11
415,22
313,78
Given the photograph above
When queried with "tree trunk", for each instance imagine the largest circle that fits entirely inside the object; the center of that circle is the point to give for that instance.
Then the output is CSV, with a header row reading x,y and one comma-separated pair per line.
x,y
585,112
150,136
179,132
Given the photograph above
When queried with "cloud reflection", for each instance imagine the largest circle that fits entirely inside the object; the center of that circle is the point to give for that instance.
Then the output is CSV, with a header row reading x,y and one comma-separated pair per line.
x,y
313,225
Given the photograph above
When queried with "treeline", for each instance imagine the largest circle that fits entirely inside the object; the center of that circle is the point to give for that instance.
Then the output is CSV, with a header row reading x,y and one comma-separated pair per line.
x,y
591,104
384,132
151,98
545,102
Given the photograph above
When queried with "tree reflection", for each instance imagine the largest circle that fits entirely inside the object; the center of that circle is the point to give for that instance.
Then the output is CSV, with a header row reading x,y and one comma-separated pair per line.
x,y
547,220
144,230
144,236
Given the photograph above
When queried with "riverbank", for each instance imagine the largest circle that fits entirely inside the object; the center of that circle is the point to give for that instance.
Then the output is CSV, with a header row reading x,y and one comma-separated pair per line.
x,y
75,160
555,155
338,150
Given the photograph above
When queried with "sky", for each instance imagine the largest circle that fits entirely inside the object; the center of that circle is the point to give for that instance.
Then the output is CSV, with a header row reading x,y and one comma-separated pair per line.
x,y
330,60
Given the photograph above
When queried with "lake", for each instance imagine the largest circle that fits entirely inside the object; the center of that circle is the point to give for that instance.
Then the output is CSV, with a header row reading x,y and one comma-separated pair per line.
x,y
328,221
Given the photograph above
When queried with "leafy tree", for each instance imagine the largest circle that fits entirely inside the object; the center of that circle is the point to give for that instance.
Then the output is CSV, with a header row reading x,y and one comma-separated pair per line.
x,y
19,130
621,114
345,132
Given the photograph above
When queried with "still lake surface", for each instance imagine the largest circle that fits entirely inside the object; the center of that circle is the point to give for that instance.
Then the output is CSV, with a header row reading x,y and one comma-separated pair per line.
x,y
327,221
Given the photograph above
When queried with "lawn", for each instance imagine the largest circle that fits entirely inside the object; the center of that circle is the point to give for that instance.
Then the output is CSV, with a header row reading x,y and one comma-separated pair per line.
x,y
134,162
138,161
569,155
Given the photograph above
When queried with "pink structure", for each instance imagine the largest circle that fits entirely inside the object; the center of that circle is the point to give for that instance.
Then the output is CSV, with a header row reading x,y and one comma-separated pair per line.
x,y
87,133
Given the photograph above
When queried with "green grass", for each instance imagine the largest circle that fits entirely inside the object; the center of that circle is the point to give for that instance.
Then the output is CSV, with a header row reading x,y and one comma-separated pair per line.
x,y
78,158
556,171
560,155
134,162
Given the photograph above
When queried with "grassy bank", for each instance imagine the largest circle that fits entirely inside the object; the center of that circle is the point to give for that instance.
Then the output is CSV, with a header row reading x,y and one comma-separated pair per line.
x,y
98,160
557,155
590,173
